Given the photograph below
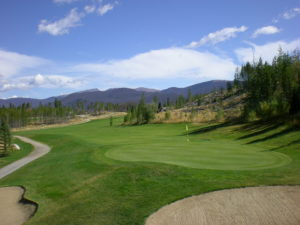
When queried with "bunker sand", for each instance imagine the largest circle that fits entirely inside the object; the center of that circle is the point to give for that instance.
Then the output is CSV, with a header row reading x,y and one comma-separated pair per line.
x,y
277,205
14,209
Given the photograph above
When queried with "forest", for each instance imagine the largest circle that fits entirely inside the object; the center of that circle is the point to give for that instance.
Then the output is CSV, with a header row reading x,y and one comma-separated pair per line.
x,y
272,89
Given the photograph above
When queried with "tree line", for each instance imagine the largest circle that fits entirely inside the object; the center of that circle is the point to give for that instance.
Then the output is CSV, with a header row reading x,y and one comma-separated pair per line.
x,y
51,113
143,113
273,89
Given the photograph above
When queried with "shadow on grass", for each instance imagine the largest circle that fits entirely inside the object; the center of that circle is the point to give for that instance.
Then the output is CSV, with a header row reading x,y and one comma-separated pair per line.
x,y
273,128
210,128
262,128
285,146
255,130
276,135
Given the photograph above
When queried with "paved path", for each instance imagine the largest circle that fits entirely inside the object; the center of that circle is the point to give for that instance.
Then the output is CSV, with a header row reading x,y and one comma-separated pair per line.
x,y
39,150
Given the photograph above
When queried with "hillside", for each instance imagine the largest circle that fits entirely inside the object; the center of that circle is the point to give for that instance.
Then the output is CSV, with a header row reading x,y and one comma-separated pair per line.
x,y
213,107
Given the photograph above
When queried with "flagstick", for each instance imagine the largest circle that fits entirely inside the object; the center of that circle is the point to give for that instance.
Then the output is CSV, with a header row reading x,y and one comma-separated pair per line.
x,y
187,133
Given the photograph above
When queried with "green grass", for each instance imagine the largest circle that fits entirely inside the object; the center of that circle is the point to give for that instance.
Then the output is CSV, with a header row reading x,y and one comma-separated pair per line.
x,y
80,182
201,154
15,155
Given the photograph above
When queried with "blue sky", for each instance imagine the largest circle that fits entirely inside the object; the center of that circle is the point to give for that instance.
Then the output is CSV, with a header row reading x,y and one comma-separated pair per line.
x,y
53,47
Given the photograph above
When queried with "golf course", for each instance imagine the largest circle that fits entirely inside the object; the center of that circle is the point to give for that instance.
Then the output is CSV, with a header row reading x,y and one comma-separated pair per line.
x,y
116,112
101,174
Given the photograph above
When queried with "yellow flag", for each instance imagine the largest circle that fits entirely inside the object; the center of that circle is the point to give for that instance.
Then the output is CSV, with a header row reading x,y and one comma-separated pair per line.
x,y
186,127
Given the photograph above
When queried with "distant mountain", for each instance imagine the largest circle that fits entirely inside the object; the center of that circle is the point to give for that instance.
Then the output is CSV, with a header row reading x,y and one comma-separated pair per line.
x,y
142,89
122,95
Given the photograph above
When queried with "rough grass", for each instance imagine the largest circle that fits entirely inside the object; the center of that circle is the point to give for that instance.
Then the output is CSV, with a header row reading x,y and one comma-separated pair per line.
x,y
76,183
15,155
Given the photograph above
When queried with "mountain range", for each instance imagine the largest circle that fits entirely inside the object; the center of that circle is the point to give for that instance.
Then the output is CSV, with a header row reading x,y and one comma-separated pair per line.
x,y
121,95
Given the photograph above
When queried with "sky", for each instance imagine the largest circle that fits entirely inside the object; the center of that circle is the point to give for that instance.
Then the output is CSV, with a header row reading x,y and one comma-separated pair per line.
x,y
54,47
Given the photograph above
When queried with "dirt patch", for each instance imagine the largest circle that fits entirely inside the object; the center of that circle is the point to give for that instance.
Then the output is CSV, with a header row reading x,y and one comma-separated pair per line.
x,y
277,205
14,208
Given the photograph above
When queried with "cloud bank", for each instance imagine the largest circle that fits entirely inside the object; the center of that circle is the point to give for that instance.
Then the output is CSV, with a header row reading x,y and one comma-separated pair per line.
x,y
165,63
266,51
12,63
40,81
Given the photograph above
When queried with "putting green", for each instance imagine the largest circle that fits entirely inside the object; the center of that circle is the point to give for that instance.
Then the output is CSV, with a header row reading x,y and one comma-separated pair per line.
x,y
201,154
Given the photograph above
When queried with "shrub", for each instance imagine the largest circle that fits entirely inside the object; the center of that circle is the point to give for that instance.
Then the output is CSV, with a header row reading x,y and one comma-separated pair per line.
x,y
167,115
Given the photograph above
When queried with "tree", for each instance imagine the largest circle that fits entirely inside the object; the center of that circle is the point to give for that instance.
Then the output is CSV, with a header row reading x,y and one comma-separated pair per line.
x,y
180,101
272,89
5,138
159,107
140,114
111,121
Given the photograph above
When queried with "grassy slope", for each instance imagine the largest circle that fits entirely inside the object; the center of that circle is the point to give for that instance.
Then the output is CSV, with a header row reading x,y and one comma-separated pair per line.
x,y
77,184
15,155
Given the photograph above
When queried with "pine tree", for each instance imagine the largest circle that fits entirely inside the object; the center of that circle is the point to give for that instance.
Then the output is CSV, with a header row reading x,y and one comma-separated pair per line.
x,y
5,138
110,121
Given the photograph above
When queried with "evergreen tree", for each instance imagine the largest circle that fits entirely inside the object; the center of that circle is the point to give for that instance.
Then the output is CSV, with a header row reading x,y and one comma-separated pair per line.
x,y
5,138
111,121
272,89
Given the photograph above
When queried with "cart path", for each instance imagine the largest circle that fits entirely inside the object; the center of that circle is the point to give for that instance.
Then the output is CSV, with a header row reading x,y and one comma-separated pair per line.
x,y
39,150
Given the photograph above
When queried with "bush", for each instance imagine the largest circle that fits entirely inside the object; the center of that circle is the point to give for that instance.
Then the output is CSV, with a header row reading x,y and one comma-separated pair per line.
x,y
219,115
167,115
272,108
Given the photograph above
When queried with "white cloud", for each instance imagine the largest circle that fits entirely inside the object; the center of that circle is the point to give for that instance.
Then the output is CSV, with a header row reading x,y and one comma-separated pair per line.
x,y
89,8
105,8
287,15
218,36
165,63
64,1
266,52
12,63
63,25
44,81
266,30
291,13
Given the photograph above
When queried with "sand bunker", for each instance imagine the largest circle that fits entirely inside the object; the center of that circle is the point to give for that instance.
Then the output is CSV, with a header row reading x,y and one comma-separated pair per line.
x,y
278,205
14,209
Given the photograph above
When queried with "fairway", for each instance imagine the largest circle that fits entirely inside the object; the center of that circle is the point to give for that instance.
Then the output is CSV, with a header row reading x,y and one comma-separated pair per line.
x,y
119,175
200,154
